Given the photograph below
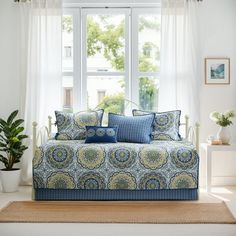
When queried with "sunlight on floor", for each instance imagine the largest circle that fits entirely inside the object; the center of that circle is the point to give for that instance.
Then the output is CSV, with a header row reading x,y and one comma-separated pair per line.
x,y
221,198
221,190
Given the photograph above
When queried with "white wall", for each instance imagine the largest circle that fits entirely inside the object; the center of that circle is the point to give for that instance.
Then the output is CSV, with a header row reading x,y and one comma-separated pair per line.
x,y
9,80
218,39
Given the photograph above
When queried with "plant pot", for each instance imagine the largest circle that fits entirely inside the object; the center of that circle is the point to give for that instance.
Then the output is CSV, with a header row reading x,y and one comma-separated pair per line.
x,y
224,134
10,180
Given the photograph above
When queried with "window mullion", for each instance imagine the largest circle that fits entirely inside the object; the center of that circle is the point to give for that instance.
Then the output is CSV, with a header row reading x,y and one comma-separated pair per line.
x,y
105,73
67,73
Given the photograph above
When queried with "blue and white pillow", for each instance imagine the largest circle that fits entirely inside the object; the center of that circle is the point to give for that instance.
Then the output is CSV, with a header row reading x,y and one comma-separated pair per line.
x,y
100,134
132,129
165,125
72,126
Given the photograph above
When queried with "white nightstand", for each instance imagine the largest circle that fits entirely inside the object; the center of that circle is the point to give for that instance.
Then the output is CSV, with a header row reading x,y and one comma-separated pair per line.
x,y
209,149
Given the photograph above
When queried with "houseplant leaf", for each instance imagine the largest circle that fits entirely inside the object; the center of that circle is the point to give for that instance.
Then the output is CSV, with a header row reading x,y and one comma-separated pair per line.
x,y
23,136
16,123
11,140
12,117
3,123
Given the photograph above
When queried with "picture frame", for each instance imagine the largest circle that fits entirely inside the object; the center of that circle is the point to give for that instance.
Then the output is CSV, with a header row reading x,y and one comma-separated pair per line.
x,y
217,71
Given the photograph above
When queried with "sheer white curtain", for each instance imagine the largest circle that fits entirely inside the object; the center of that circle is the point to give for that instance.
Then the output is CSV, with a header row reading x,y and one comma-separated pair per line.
x,y
179,71
40,58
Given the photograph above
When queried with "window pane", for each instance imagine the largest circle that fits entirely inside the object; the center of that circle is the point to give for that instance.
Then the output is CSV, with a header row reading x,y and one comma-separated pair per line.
x,y
67,43
148,93
106,92
67,84
105,42
149,43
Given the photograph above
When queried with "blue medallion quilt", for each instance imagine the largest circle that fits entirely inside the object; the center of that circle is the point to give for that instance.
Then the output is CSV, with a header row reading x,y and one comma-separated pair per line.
x,y
75,165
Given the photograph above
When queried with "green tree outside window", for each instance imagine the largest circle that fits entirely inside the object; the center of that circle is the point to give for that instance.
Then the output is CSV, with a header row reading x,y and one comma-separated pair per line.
x,y
109,41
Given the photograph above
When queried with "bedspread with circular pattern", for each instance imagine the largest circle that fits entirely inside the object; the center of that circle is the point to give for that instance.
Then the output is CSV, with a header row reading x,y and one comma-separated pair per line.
x,y
76,165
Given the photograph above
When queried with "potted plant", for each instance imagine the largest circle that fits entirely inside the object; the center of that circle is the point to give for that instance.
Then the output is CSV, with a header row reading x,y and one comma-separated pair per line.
x,y
11,151
224,120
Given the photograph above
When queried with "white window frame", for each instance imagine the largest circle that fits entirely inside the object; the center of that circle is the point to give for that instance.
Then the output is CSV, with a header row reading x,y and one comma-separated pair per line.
x,y
131,72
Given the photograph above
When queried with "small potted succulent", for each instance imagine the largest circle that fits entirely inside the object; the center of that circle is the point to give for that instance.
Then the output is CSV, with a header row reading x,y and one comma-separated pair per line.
x,y
224,120
11,151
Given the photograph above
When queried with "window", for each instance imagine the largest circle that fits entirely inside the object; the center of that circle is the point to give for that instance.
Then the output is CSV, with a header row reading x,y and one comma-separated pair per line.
x,y
101,95
67,37
67,84
67,52
68,98
106,34
67,62
146,34
110,58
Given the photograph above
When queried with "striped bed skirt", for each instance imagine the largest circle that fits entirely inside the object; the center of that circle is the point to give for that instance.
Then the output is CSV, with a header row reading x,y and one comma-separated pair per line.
x,y
113,195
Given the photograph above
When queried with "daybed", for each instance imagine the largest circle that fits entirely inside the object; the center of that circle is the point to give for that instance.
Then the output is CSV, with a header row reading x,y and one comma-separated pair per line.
x,y
161,170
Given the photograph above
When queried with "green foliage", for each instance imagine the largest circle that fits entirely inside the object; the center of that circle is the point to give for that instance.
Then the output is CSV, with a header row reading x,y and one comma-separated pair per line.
x,y
113,103
93,33
108,39
67,24
147,93
145,65
11,138
146,24
223,119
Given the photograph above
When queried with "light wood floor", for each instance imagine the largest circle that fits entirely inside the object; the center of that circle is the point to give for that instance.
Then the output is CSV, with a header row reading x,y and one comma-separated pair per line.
x,y
227,194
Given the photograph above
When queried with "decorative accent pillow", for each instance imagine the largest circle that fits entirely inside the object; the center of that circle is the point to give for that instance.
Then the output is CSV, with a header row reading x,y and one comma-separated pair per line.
x,y
165,125
100,134
72,126
132,129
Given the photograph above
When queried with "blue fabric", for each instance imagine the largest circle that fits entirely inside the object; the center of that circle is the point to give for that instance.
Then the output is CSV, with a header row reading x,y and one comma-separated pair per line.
x,y
86,195
99,134
72,164
72,126
165,125
134,129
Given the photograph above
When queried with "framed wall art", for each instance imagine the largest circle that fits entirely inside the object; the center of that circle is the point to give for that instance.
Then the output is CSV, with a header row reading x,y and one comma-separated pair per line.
x,y
217,71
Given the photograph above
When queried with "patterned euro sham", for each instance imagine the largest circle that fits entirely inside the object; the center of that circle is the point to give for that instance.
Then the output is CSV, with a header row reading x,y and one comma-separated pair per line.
x,y
165,125
100,134
72,126
77,165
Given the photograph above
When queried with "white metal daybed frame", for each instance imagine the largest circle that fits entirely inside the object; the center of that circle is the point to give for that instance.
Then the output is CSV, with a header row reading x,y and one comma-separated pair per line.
x,y
42,134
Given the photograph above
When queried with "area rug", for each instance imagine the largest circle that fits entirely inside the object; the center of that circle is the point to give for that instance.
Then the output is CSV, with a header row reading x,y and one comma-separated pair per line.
x,y
117,212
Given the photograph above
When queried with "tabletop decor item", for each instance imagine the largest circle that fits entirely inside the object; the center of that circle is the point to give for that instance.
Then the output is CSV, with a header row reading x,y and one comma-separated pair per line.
x,y
217,71
11,151
213,141
224,120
